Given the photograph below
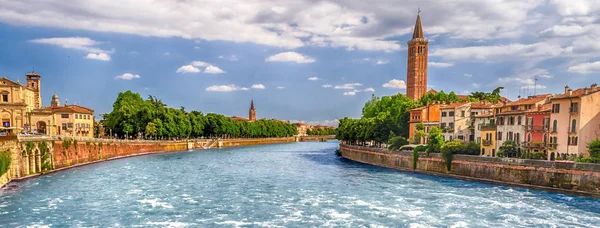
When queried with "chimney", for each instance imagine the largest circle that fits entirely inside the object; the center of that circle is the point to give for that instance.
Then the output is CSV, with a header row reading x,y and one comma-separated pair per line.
x,y
570,92
594,87
567,89
586,91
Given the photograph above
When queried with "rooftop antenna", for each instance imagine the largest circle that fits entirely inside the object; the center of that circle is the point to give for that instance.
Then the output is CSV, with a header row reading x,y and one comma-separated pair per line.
x,y
535,79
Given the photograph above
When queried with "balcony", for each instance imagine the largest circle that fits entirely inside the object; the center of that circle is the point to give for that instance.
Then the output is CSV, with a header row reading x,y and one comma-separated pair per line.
x,y
552,146
449,129
486,142
487,127
536,128
535,145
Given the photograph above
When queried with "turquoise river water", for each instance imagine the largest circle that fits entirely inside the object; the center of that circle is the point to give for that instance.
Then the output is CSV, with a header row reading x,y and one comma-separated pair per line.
x,y
285,185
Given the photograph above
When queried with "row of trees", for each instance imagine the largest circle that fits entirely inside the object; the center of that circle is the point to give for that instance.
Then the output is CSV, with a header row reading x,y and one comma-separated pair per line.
x,y
321,131
382,118
132,116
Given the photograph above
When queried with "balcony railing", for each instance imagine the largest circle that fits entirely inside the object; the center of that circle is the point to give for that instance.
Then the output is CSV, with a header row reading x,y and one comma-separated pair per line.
x,y
574,111
535,144
540,128
486,142
487,127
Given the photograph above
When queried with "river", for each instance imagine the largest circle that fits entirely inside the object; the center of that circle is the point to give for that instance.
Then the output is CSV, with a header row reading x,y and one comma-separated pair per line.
x,y
284,185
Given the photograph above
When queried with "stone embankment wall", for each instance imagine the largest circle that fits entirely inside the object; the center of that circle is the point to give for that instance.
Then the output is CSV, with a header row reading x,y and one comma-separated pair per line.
x,y
250,142
578,178
32,156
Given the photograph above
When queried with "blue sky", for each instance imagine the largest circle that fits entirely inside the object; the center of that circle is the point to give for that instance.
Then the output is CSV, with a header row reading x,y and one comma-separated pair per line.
x,y
302,60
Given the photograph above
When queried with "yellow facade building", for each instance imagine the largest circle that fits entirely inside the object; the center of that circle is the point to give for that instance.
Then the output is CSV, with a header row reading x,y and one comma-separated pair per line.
x,y
22,111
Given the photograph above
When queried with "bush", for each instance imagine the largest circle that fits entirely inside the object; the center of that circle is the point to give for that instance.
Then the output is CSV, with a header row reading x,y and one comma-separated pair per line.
x,y
396,142
594,148
420,148
4,161
415,158
537,155
587,160
471,148
454,147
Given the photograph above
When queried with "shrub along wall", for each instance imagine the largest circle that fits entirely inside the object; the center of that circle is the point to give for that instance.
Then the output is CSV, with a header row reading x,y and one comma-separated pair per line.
x,y
548,175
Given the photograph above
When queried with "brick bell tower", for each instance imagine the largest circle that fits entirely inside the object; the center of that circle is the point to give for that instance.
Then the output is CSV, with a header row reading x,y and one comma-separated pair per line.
x,y
416,68
33,82
252,112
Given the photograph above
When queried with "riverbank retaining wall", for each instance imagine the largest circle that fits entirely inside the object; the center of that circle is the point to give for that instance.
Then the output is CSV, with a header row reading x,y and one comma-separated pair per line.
x,y
578,178
32,156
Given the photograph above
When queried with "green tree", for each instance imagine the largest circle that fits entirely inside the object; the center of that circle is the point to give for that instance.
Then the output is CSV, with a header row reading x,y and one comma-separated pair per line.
x,y
594,148
151,129
436,140
508,149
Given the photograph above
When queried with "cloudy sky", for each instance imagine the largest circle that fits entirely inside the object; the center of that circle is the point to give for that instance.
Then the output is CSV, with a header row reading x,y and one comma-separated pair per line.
x,y
299,59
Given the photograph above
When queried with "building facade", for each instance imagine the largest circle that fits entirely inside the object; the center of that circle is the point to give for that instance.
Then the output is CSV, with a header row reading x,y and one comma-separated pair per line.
x,y
537,126
510,118
428,115
574,121
455,121
416,68
22,111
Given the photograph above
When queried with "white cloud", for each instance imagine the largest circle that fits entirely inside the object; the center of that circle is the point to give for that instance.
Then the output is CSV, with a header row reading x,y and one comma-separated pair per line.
x,y
586,68
349,93
280,87
370,89
127,76
230,58
395,84
77,43
468,75
258,86
348,86
225,88
213,70
509,51
475,85
313,78
326,86
439,64
290,56
99,56
381,62
188,69
199,64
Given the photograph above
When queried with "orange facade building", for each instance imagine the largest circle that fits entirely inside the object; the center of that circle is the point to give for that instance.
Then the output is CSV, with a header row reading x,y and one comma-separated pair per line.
x,y
416,68
428,115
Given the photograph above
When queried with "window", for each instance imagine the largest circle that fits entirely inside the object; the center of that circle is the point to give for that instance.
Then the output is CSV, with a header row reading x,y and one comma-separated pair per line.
x,y
451,125
519,120
500,120
451,113
473,113
555,108
450,138
462,113
64,126
499,135
514,108
509,136
529,121
461,137
443,114
554,126
545,138
574,107
511,120
528,137
64,116
4,97
443,125
573,126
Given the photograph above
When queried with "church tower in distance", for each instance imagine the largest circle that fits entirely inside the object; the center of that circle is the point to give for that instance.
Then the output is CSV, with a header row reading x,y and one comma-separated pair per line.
x,y
252,112
416,68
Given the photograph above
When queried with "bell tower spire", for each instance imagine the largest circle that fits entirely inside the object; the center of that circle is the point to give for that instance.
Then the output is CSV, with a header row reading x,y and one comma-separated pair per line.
x,y
252,112
416,72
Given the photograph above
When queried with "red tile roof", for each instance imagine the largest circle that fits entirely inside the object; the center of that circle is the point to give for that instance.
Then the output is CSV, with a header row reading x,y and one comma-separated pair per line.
x,y
529,100
478,105
454,105
68,109
577,93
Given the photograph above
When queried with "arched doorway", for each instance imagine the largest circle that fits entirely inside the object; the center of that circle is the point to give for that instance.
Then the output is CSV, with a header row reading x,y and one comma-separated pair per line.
x,y
41,127
552,156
